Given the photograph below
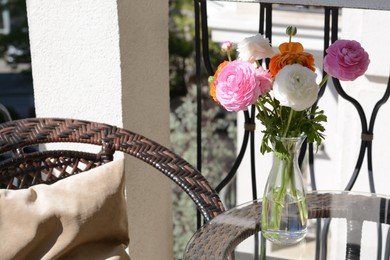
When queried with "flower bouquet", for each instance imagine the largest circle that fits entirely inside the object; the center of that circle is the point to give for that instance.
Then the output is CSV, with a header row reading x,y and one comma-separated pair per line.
x,y
285,96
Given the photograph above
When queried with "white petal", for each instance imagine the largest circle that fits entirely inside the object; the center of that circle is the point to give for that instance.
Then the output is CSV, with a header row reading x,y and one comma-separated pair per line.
x,y
295,86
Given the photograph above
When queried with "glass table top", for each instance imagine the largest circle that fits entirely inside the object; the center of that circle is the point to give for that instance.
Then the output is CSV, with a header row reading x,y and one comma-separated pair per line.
x,y
358,219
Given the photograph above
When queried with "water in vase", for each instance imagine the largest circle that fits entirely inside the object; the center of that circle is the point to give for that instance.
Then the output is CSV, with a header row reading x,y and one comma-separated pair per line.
x,y
285,223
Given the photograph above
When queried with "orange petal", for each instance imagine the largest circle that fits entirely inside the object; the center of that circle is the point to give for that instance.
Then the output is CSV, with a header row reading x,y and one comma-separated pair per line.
x,y
213,92
212,84
291,47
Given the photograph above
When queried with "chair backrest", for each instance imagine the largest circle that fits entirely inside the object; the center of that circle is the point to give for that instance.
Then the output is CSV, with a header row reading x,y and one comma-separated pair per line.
x,y
22,169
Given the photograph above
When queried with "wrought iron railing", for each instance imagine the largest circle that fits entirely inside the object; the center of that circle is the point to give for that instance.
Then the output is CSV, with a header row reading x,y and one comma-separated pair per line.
x,y
331,10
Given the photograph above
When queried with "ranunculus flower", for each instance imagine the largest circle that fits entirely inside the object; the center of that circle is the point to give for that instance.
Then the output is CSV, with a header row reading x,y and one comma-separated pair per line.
x,y
295,86
214,79
290,53
265,78
237,86
254,48
346,60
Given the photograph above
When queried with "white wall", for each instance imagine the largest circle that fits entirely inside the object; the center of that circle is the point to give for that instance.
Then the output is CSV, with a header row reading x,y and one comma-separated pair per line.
x,y
107,61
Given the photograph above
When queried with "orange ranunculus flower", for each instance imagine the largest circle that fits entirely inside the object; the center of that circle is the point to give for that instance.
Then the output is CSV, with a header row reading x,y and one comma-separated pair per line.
x,y
291,53
212,83
287,58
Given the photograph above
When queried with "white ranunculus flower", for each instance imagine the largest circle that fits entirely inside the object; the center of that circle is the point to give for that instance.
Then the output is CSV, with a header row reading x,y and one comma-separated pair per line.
x,y
295,86
254,48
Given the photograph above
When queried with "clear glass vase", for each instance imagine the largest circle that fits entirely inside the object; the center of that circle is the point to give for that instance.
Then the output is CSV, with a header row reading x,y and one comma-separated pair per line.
x,y
284,208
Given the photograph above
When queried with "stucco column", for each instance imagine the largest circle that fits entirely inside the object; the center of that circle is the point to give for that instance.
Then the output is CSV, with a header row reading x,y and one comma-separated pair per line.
x,y
107,61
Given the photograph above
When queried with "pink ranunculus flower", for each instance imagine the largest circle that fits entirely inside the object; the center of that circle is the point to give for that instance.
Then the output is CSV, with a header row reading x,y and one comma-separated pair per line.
x,y
237,86
346,60
265,78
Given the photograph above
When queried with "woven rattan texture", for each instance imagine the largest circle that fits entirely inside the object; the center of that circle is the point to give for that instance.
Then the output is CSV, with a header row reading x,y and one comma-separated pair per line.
x,y
218,239
44,167
24,170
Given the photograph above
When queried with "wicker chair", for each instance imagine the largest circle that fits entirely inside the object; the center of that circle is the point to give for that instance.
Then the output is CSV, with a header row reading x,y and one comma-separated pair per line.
x,y
21,169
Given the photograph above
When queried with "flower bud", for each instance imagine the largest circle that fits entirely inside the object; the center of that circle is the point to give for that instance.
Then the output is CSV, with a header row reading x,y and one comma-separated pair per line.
x,y
227,46
291,31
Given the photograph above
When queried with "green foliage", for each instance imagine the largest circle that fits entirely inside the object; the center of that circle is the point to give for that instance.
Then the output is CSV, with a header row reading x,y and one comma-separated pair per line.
x,y
218,126
181,45
281,121
219,130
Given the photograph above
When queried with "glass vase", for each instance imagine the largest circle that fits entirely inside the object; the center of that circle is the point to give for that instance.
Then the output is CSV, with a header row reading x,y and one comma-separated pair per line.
x,y
284,208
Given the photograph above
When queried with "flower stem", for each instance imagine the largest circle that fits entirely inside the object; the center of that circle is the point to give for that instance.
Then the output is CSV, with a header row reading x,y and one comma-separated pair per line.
x,y
301,209
288,122
281,193
260,106
324,79
229,56
279,200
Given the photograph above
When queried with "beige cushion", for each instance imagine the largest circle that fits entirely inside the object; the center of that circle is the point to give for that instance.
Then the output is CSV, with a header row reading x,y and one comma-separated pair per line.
x,y
80,217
